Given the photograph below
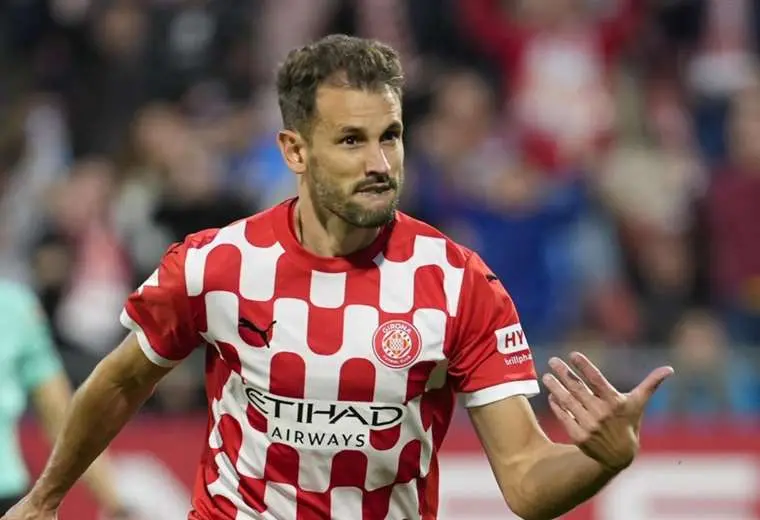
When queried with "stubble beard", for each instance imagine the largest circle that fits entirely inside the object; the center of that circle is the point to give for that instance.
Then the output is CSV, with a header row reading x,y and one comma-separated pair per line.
x,y
330,198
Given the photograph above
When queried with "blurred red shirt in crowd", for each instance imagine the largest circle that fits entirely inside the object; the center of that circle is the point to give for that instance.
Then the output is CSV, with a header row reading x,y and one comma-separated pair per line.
x,y
556,61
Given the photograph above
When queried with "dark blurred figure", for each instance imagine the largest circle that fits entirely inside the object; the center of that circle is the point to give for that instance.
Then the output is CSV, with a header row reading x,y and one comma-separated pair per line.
x,y
111,85
467,179
33,145
651,183
194,42
81,268
733,207
107,59
174,187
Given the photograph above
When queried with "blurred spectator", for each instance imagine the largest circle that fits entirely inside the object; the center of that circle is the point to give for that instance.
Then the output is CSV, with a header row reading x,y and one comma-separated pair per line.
x,y
652,183
195,42
110,79
717,42
468,180
176,185
81,268
12,148
734,212
557,58
713,381
285,24
33,154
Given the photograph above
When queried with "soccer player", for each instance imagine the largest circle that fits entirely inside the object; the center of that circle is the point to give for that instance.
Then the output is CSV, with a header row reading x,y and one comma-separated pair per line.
x,y
338,333
31,369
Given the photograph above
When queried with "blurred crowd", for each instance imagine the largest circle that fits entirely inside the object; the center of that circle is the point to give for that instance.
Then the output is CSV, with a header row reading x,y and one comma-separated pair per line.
x,y
603,156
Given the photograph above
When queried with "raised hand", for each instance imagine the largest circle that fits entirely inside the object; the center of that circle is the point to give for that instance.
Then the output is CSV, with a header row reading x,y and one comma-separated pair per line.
x,y
601,421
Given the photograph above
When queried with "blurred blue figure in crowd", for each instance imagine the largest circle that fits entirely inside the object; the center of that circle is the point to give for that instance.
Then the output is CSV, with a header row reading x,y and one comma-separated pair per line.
x,y
467,179
715,381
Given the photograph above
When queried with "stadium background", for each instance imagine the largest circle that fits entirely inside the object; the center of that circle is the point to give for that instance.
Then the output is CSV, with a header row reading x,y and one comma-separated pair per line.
x,y
602,155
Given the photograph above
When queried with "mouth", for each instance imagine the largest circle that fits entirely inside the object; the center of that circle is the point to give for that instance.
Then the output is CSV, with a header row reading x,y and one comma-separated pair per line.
x,y
376,188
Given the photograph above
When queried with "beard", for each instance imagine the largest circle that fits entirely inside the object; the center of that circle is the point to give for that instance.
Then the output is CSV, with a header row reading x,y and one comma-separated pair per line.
x,y
329,196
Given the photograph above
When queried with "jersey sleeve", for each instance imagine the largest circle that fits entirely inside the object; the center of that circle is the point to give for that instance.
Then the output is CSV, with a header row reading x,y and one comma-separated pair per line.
x,y
490,358
39,360
160,314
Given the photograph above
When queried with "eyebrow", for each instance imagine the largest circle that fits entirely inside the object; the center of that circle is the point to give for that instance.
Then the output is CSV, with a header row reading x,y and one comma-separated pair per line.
x,y
351,130
395,126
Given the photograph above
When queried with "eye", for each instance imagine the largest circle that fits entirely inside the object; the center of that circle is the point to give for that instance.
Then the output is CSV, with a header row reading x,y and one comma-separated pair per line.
x,y
350,140
391,135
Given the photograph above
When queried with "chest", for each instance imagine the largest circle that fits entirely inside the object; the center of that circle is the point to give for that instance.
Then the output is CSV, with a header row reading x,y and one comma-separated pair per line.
x,y
335,336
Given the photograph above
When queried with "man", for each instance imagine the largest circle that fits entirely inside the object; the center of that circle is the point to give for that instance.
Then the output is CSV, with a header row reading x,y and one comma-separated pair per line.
x,y
30,368
338,332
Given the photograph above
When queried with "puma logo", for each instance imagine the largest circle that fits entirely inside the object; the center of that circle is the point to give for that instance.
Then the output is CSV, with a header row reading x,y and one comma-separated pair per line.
x,y
264,334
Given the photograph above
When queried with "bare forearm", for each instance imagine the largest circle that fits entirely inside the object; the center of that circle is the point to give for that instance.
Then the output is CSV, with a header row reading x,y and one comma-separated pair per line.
x,y
560,479
52,401
98,411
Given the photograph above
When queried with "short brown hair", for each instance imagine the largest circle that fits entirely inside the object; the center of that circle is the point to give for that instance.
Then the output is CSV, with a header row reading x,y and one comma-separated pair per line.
x,y
337,58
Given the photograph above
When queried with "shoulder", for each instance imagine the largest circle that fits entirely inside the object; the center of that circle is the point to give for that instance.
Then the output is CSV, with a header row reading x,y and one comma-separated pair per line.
x,y
254,230
429,245
412,236
214,257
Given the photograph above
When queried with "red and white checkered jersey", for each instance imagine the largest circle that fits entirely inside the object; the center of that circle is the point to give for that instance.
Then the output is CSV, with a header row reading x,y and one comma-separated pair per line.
x,y
331,382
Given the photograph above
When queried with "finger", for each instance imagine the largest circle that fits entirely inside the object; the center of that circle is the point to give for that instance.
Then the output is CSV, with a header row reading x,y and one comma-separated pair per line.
x,y
594,377
568,402
575,385
571,426
649,385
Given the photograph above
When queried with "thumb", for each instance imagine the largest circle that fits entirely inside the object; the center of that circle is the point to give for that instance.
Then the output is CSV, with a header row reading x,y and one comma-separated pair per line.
x,y
649,385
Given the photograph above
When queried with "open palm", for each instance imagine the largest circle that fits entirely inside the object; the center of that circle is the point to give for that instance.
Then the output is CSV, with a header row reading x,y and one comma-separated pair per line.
x,y
600,420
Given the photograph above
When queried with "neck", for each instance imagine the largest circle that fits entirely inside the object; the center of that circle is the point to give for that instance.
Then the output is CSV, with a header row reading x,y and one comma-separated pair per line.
x,y
326,234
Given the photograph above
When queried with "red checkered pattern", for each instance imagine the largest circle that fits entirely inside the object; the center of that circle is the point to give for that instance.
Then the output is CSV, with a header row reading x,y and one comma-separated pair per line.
x,y
331,381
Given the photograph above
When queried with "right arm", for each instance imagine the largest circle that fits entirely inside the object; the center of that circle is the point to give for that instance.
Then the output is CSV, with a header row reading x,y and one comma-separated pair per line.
x,y
116,389
162,320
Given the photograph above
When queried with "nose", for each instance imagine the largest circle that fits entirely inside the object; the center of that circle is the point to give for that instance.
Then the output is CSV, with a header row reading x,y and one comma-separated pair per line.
x,y
377,161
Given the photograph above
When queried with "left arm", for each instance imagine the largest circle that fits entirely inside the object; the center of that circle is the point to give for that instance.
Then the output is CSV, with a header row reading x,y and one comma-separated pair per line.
x,y
538,478
491,365
541,479
47,384
51,399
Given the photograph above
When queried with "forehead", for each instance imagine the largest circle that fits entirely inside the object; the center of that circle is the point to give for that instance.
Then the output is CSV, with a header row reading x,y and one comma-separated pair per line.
x,y
339,107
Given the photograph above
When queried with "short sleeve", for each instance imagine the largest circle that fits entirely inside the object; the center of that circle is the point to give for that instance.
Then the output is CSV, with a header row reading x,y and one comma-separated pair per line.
x,y
490,358
160,314
39,360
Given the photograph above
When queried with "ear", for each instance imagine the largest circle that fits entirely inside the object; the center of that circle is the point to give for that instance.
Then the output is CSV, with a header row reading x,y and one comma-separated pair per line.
x,y
293,149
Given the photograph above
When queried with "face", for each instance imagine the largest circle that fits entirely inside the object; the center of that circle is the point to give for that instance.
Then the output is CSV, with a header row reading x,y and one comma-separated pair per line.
x,y
463,110
354,162
699,342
